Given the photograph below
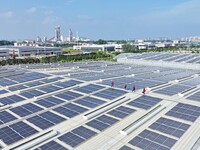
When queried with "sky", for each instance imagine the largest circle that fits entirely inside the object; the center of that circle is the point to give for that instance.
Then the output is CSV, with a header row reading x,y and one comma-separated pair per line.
x,y
100,19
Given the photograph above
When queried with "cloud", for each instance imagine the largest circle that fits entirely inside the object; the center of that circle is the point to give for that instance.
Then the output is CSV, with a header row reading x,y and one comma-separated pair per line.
x,y
8,14
31,10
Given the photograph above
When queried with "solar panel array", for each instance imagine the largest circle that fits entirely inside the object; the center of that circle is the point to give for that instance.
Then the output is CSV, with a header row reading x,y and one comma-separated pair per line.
x,y
145,102
185,111
173,57
33,103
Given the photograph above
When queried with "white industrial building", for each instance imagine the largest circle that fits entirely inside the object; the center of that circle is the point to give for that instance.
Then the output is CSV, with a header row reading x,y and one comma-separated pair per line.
x,y
4,53
23,51
106,47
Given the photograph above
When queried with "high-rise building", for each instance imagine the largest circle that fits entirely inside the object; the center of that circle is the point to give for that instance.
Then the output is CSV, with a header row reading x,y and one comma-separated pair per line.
x,y
57,34
70,35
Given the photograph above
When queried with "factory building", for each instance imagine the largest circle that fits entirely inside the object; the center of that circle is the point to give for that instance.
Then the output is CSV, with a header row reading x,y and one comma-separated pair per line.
x,y
4,53
23,51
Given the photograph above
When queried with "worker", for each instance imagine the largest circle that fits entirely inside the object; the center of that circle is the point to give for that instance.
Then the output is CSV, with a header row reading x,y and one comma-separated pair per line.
x,y
133,89
112,83
144,90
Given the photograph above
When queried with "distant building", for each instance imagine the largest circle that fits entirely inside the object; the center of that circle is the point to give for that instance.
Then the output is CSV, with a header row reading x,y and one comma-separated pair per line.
x,y
26,43
4,53
57,34
70,35
27,51
106,47
163,45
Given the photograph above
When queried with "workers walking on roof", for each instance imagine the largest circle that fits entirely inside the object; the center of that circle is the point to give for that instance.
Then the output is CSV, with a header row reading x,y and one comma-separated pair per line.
x,y
112,83
125,86
133,89
144,90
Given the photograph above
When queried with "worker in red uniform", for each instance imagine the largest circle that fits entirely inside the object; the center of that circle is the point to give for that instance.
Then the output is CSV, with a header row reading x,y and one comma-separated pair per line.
x,y
112,83
144,90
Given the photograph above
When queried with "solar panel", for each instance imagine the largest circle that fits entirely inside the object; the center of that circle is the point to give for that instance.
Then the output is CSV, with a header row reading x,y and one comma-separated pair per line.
x,y
26,109
15,132
70,110
67,112
185,112
11,99
32,84
49,102
49,88
18,87
67,84
3,91
171,127
40,122
52,145
174,89
110,93
125,148
77,136
89,88
46,120
195,96
89,102
6,117
102,122
121,112
32,93
145,102
68,95
152,140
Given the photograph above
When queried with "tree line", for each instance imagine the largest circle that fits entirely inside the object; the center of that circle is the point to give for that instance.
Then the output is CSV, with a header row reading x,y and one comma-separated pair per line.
x,y
61,58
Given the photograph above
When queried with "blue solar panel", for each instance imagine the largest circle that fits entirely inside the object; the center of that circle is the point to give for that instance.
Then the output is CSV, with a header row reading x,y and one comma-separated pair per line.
x,y
26,109
195,97
171,127
40,122
18,87
46,120
6,117
110,93
52,117
67,112
89,102
15,132
52,145
126,148
3,91
121,112
49,88
89,88
77,136
173,89
11,99
185,112
102,122
145,102
49,102
152,140
69,95
67,84
32,93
